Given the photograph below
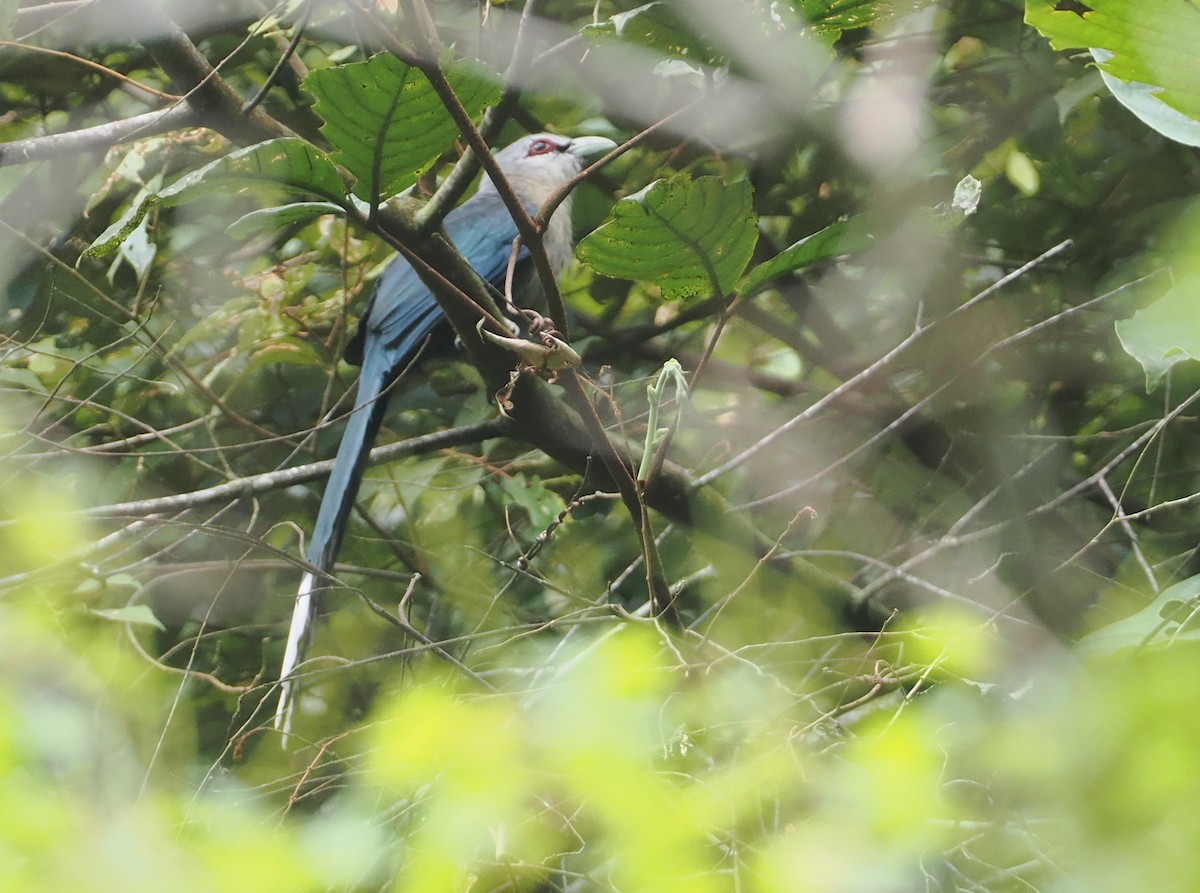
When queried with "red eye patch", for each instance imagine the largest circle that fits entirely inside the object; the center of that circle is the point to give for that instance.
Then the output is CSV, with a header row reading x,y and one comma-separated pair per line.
x,y
542,147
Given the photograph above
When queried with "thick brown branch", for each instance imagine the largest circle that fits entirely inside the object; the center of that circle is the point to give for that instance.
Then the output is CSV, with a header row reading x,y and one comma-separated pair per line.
x,y
217,104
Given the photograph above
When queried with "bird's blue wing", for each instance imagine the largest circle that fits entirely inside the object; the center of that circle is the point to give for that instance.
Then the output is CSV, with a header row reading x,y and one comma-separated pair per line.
x,y
483,231
403,312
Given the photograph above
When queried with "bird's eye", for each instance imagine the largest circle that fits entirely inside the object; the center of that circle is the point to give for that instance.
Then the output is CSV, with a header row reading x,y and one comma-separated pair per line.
x,y
542,147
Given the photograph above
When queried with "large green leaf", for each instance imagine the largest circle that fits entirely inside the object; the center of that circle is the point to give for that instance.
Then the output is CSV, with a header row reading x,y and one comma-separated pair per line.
x,y
385,121
1153,42
1167,331
690,236
137,614
291,164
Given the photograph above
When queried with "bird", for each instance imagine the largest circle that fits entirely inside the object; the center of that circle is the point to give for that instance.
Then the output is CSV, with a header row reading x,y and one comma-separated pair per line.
x,y
401,314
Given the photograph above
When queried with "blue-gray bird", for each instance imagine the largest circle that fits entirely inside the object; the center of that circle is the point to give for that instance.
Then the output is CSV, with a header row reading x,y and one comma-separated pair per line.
x,y
401,315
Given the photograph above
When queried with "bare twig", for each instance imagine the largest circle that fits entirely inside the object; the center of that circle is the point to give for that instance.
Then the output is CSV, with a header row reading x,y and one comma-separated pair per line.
x,y
918,331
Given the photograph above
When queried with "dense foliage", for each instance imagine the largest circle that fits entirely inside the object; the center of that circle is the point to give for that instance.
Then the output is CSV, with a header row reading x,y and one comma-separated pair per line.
x,y
856,553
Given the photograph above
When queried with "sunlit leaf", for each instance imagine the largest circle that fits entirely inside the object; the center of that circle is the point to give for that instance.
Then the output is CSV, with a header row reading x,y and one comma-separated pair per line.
x,y
1152,42
1172,616
967,193
1143,100
835,16
136,250
1020,170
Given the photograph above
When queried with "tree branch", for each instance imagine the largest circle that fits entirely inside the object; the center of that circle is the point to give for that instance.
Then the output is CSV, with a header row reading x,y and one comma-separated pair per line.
x,y
302,474
464,171
218,105
98,138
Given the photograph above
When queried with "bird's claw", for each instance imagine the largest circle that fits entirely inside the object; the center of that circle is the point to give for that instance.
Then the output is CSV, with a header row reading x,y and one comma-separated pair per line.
x,y
550,353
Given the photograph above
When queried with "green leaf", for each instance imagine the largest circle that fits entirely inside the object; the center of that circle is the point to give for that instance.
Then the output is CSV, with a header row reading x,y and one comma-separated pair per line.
x,y
656,26
140,614
1166,332
539,502
22,378
385,121
121,228
832,17
1171,617
1020,171
1152,42
273,218
289,163
690,236
1143,101
843,237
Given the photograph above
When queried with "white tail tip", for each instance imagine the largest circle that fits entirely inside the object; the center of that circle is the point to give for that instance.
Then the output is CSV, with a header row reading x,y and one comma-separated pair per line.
x,y
297,633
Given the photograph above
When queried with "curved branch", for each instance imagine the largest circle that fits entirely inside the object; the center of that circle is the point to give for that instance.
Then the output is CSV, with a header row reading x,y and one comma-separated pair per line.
x,y
98,138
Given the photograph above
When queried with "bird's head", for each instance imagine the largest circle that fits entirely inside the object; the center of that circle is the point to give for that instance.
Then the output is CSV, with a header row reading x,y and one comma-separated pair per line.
x,y
539,164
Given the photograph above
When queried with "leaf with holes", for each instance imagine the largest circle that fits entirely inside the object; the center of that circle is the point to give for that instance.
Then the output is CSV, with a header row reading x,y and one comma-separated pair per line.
x,y
691,237
385,121
831,17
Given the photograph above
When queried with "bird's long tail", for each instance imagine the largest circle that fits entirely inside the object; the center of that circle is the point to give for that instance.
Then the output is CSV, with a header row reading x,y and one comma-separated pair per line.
x,y
336,503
